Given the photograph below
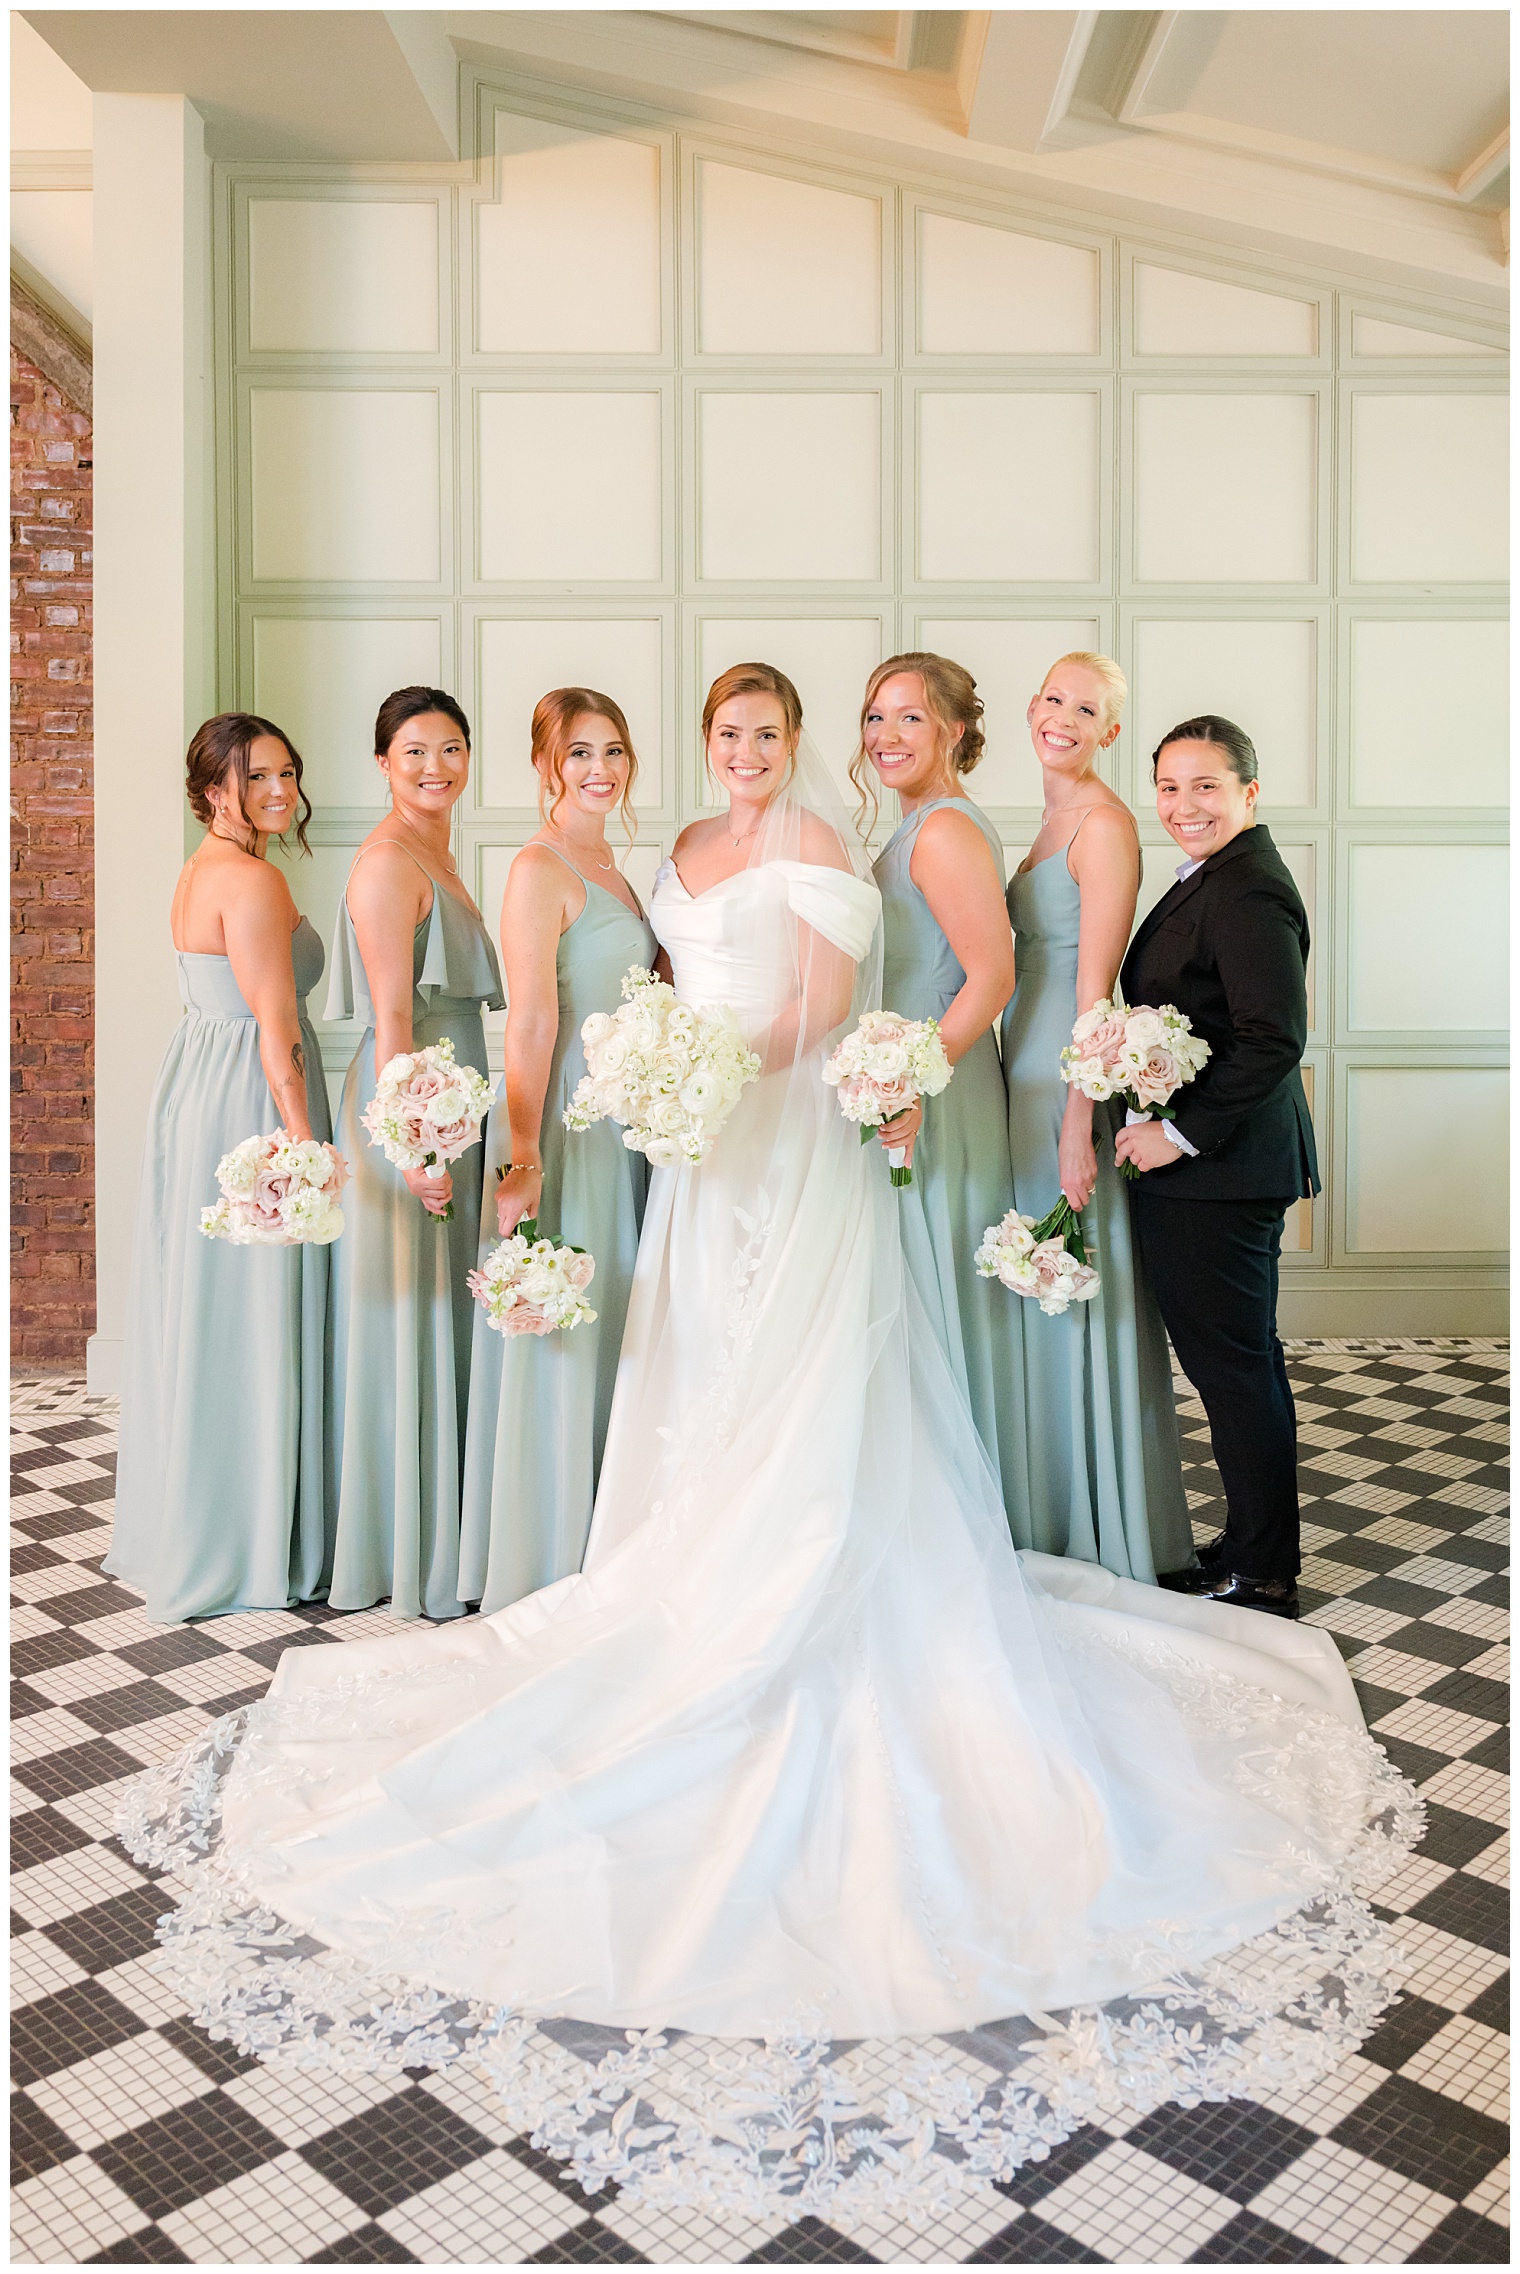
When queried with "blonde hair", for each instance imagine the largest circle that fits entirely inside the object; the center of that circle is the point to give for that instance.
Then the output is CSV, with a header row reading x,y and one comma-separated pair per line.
x,y
554,715
950,698
1105,669
755,679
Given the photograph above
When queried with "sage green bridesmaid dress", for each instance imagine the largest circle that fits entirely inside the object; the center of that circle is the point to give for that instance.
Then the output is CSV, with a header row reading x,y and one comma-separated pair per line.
x,y
961,1181
402,1313
223,1492
539,1404
1104,1463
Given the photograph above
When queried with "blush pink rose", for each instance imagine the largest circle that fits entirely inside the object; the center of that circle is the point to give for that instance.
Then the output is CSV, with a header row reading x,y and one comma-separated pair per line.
x,y
1157,1077
1105,1042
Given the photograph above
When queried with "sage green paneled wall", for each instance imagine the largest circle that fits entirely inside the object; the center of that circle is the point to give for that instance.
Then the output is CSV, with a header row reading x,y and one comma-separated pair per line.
x,y
624,404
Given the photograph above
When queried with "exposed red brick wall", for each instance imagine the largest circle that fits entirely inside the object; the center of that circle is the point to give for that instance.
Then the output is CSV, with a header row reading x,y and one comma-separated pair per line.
x,y
52,878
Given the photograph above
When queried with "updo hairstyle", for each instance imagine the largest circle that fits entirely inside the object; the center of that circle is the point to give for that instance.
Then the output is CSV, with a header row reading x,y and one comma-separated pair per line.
x,y
218,758
414,703
1238,748
1106,669
951,700
554,715
755,679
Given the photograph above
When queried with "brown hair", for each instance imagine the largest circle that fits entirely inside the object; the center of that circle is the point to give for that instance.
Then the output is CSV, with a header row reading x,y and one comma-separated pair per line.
x,y
950,698
754,679
415,703
554,715
218,755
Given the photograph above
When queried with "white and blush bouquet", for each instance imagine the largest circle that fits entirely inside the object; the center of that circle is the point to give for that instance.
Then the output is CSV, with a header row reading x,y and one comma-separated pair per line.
x,y
1046,1260
669,1072
1143,1056
885,1064
531,1286
426,1111
278,1191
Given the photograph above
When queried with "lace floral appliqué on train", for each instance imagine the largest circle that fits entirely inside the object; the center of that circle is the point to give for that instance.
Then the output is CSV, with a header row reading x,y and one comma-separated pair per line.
x,y
798,2124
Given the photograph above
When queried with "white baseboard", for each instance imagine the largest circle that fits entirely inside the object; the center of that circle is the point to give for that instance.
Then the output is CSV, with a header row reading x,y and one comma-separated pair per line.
x,y
103,1366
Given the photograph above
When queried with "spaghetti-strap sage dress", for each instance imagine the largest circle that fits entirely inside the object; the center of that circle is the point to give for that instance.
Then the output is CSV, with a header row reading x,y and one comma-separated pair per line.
x,y
401,1308
539,1404
961,1178
223,1493
1105,1465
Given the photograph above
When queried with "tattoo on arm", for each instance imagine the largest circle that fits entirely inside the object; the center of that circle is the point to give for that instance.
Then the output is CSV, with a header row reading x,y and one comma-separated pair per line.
x,y
298,1059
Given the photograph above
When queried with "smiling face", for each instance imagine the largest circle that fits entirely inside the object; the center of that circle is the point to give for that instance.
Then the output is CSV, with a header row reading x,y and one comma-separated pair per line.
x,y
594,766
749,749
269,804
1069,722
906,743
1200,801
427,766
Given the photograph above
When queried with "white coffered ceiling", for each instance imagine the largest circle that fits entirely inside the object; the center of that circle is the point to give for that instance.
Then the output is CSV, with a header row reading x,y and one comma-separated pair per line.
x,y
1373,139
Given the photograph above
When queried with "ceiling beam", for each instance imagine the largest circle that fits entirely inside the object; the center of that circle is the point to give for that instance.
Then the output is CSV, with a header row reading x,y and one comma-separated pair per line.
x,y
321,83
1028,74
1485,169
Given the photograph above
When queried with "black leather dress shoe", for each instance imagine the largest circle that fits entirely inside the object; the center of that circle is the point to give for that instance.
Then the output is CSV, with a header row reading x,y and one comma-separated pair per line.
x,y
1205,1559
1279,1596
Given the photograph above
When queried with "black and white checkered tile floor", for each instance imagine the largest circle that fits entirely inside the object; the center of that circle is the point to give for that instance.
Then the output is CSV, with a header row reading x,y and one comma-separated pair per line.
x,y
139,2140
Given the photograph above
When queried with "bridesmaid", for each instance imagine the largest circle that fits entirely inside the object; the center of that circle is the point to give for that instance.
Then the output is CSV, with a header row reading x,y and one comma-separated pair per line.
x,y
570,928
1105,1467
948,955
223,1502
413,963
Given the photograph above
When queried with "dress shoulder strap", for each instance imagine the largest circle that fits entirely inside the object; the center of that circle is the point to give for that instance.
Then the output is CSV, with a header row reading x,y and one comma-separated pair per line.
x,y
369,846
1076,833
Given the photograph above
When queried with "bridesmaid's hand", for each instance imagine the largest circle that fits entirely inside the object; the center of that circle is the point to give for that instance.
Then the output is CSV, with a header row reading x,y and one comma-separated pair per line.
x,y
903,1131
517,1196
433,1187
1078,1162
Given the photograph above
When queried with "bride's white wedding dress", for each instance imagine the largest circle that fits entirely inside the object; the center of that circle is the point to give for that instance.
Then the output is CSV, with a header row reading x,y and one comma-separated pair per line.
x,y
805,1754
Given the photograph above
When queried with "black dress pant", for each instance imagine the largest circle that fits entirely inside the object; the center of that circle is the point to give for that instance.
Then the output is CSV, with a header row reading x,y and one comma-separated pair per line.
x,y
1213,1267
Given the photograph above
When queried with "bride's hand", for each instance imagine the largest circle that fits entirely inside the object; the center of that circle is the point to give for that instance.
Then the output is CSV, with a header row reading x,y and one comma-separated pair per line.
x,y
902,1131
517,1195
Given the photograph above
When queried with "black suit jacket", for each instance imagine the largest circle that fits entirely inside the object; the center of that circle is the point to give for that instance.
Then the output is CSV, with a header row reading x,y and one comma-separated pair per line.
x,y
1228,945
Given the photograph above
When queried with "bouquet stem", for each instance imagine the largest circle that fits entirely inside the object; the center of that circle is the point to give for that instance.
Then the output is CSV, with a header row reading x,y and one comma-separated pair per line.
x,y
1064,1223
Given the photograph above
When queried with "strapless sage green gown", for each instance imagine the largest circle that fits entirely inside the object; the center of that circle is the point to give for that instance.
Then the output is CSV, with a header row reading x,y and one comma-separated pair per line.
x,y
402,1313
539,1404
223,1494
961,1177
1105,1467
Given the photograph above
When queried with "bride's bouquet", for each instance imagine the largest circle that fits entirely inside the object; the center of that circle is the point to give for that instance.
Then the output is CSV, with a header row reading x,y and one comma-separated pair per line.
x,y
670,1073
885,1064
278,1191
531,1286
1143,1056
1047,1260
426,1111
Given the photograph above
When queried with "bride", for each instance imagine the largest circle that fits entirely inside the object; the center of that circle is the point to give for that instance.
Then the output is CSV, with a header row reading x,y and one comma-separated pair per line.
x,y
806,1754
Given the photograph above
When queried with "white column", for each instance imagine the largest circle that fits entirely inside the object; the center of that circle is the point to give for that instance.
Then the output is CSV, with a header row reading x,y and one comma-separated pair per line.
x,y
154,622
